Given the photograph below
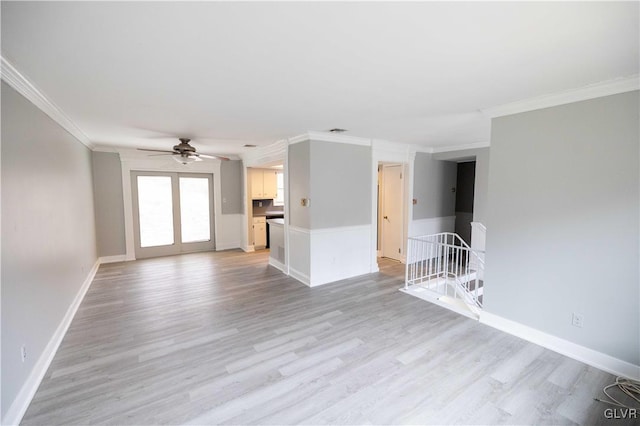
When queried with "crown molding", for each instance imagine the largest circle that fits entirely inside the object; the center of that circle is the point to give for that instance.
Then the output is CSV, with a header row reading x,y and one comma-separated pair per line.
x,y
275,152
297,139
476,145
330,137
22,85
597,90
386,145
422,148
106,148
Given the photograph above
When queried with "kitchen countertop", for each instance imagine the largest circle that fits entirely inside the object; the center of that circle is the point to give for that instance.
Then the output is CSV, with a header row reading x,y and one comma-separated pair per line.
x,y
269,213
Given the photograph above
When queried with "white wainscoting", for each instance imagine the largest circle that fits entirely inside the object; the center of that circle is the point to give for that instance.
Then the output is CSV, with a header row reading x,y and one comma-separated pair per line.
x,y
478,241
229,228
433,225
299,261
339,253
277,264
478,236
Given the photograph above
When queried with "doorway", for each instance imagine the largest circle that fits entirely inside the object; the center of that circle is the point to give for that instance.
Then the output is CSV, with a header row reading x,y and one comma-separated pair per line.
x,y
465,187
173,213
390,211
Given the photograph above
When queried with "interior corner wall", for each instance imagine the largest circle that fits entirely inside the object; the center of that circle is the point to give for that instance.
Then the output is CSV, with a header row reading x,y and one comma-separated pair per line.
x,y
432,183
340,185
48,234
109,204
299,184
481,186
340,225
231,187
298,164
329,239
562,223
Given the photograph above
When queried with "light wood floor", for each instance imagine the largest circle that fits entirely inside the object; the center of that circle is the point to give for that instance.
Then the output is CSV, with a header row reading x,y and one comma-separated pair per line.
x,y
214,338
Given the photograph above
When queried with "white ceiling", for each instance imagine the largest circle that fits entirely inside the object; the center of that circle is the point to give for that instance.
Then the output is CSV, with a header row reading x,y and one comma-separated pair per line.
x,y
226,74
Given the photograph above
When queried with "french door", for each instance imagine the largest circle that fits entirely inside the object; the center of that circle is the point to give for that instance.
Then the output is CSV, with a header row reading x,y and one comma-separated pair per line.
x,y
173,213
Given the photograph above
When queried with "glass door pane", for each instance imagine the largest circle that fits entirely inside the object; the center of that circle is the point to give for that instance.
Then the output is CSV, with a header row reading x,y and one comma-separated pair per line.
x,y
155,207
194,209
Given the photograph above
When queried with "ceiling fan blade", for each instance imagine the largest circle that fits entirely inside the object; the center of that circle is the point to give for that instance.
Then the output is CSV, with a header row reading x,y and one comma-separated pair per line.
x,y
213,157
155,150
160,155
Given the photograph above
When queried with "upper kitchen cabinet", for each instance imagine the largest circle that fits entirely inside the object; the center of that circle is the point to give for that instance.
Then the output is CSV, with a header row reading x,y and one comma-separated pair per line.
x,y
264,184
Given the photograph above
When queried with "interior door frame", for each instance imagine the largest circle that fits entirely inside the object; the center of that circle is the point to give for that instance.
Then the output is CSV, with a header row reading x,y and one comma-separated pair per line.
x,y
383,152
383,205
178,247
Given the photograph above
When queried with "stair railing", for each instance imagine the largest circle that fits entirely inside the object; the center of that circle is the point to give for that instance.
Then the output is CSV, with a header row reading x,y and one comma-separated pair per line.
x,y
445,263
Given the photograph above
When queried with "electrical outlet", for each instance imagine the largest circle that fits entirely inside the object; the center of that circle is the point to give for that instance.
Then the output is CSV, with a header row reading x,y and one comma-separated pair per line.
x,y
23,352
577,320
259,203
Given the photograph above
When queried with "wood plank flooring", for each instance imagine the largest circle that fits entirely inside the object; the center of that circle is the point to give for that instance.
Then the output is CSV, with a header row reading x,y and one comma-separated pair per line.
x,y
223,338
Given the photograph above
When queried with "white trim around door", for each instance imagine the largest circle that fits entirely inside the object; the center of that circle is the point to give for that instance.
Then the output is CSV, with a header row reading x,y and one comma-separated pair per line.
x,y
178,244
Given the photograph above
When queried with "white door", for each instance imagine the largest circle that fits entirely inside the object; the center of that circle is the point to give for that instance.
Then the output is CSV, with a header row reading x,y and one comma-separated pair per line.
x,y
173,213
392,212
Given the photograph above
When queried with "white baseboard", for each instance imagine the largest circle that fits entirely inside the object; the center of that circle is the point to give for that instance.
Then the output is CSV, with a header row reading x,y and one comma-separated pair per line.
x,y
248,249
23,399
438,299
228,245
303,278
113,259
277,264
591,357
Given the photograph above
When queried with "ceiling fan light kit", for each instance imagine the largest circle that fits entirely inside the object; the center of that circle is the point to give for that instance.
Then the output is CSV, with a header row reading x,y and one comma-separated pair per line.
x,y
184,153
185,159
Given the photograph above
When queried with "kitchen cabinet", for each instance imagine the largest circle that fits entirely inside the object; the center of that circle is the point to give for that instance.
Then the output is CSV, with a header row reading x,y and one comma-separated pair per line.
x,y
264,184
259,232
270,183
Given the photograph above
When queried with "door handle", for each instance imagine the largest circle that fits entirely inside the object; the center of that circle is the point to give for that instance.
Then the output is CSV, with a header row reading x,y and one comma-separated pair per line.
x,y
386,217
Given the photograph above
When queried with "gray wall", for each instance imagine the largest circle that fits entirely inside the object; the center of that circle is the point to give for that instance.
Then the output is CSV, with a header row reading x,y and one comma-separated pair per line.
x,y
340,185
231,186
299,184
48,232
432,183
562,223
481,187
109,205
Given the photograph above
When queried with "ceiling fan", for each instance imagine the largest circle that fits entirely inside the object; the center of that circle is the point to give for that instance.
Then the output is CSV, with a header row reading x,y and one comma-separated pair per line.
x,y
185,153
